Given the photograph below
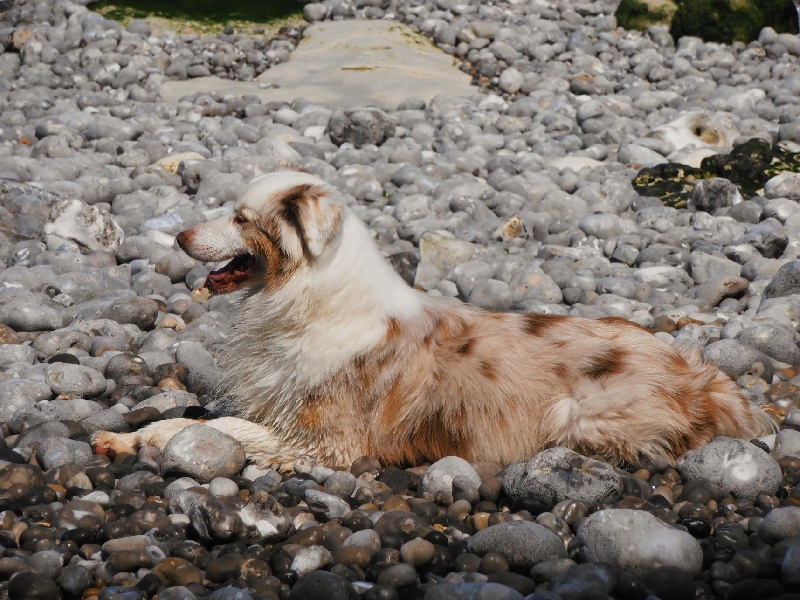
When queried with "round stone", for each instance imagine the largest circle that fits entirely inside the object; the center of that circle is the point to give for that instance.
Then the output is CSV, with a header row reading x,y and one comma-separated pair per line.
x,y
638,542
522,543
321,585
733,466
556,474
203,453
780,523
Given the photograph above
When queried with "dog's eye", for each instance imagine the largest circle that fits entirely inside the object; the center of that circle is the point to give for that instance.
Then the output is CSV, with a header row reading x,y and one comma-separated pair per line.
x,y
239,219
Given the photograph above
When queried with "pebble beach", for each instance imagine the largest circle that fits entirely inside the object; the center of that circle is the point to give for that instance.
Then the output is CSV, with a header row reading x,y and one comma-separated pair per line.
x,y
515,195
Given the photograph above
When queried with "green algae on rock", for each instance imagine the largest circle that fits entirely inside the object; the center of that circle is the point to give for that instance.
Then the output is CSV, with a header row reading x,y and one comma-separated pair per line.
x,y
749,166
728,21
723,21
641,14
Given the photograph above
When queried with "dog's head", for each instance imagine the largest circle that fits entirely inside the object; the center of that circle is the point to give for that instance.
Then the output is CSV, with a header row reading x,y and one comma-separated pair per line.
x,y
283,221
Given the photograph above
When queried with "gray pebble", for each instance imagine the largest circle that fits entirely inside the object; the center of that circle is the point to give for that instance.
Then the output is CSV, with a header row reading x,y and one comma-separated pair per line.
x,y
19,394
203,453
141,312
311,558
733,467
75,379
222,487
57,452
340,483
474,591
366,538
314,11
559,473
522,543
105,420
778,342
326,507
170,399
736,359
780,523
787,443
714,193
442,475
25,316
638,542
784,185
46,562
13,353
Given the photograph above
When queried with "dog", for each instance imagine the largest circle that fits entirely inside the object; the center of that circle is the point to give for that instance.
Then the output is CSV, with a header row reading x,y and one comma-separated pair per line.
x,y
335,356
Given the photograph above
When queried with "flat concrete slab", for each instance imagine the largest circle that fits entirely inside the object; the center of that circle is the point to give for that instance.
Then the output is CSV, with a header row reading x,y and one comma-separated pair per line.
x,y
348,64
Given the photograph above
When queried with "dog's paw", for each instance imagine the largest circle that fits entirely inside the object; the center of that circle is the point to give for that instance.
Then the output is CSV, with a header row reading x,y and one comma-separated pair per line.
x,y
105,442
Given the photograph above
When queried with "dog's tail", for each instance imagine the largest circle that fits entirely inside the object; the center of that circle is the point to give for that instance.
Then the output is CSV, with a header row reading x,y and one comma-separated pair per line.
x,y
723,403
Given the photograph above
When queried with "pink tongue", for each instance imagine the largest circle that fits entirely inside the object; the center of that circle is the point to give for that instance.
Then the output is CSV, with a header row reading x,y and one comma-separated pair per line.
x,y
238,269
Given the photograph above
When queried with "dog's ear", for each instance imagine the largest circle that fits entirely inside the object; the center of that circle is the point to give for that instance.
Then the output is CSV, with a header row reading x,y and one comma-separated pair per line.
x,y
315,219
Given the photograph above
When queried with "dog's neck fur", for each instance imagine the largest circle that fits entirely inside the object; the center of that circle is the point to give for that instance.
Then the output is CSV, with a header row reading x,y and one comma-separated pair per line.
x,y
304,333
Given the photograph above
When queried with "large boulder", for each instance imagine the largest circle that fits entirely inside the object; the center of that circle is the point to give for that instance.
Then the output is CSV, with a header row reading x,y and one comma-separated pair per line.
x,y
728,21
723,21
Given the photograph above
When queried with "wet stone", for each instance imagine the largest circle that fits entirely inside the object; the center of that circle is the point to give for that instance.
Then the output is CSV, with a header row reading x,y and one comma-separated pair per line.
x,y
522,543
397,527
780,523
32,585
325,506
557,474
321,585
637,541
475,591
225,567
417,552
175,571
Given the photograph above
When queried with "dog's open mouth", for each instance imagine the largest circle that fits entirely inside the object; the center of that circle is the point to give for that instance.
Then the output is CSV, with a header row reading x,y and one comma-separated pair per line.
x,y
230,277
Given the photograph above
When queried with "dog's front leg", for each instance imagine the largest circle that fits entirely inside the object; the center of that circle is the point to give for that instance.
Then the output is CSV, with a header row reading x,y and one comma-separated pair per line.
x,y
261,444
155,434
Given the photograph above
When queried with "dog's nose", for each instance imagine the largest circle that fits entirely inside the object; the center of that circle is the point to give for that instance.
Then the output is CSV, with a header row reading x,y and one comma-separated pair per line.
x,y
182,238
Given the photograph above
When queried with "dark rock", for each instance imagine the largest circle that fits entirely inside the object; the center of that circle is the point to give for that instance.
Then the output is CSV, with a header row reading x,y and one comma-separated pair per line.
x,y
559,473
670,583
27,585
321,585
785,282
360,126
397,527
522,543
711,194
586,576
405,263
